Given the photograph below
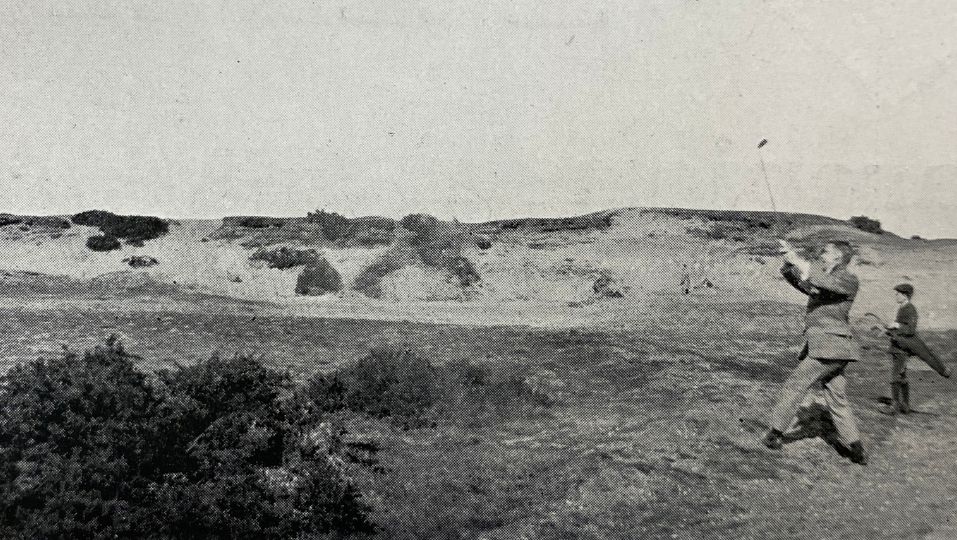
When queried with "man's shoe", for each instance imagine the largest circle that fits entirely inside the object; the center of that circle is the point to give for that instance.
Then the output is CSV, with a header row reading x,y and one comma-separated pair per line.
x,y
773,439
856,453
947,373
889,410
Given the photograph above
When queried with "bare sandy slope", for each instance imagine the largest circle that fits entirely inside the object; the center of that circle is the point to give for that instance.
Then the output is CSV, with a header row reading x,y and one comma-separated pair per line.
x,y
528,277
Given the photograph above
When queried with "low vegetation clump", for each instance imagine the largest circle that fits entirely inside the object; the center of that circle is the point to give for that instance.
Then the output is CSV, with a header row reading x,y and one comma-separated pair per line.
x,y
398,384
334,226
318,278
103,242
316,228
39,222
283,257
134,229
389,382
434,243
866,224
369,281
141,261
90,447
598,222
259,222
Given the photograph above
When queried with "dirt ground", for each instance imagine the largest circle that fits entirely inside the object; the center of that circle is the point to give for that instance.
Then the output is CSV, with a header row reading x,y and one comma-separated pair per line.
x,y
652,433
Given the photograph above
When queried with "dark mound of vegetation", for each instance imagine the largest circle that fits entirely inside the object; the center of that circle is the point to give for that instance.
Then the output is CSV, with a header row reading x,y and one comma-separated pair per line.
x,y
318,278
483,242
92,448
434,243
334,226
395,383
141,261
368,281
866,224
284,257
9,219
40,222
103,242
320,227
599,222
258,222
464,271
134,229
391,382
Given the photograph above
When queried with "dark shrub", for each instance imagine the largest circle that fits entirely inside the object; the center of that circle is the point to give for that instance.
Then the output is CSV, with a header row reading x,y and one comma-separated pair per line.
x,y
141,261
866,224
102,243
318,278
464,270
369,280
92,448
916,237
93,218
483,242
9,219
241,469
76,438
284,257
47,222
259,222
334,226
391,382
420,224
134,229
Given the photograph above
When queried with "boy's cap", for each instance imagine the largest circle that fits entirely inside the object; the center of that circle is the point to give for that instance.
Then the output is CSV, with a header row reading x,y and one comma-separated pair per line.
x,y
905,288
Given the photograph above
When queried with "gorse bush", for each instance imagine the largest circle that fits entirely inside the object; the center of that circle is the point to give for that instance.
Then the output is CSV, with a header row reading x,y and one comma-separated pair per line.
x,y
284,257
369,280
391,382
334,226
432,242
318,278
133,229
141,261
92,448
866,224
103,243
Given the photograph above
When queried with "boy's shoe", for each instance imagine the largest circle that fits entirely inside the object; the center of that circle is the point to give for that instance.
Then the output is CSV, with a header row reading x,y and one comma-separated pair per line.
x,y
947,373
889,409
773,439
856,453
904,404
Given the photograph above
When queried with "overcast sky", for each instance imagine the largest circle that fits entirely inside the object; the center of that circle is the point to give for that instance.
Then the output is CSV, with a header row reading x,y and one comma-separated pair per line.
x,y
479,110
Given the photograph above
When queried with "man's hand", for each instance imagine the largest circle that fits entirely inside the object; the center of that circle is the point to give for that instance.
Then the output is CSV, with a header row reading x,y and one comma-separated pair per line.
x,y
893,326
791,257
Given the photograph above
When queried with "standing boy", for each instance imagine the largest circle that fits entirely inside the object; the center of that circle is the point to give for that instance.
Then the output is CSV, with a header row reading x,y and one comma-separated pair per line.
x,y
906,343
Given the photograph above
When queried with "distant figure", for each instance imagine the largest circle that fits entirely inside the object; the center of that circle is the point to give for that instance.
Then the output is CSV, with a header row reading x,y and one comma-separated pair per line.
x,y
829,345
685,279
906,343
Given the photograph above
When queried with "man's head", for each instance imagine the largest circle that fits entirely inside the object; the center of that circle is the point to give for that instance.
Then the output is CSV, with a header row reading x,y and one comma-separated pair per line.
x,y
905,291
837,253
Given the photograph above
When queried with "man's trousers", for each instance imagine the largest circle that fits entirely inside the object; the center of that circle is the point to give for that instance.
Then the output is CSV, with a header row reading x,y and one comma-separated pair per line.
x,y
809,375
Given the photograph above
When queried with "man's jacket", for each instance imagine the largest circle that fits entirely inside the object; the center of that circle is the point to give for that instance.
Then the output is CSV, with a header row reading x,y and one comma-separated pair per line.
x,y
827,330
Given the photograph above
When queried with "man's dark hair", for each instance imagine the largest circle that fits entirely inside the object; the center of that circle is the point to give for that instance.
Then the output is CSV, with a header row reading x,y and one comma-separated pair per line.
x,y
845,248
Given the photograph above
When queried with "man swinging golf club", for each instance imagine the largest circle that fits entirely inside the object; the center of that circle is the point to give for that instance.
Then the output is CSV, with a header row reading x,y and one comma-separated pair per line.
x,y
829,345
